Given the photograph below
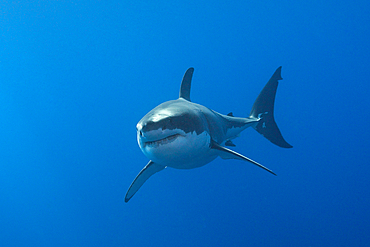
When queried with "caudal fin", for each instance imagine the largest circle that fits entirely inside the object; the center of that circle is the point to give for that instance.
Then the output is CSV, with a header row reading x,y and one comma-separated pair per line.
x,y
263,108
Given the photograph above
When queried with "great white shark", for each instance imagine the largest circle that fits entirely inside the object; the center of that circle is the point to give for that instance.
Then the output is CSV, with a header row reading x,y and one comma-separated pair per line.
x,y
185,135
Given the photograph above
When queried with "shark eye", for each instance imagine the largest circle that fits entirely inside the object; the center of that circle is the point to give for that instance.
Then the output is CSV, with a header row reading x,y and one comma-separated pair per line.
x,y
168,122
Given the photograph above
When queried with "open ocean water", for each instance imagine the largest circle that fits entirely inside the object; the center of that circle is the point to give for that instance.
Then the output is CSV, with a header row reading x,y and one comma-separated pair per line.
x,y
76,77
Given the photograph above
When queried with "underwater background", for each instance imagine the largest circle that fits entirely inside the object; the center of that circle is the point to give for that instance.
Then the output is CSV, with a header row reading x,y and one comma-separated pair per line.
x,y
76,77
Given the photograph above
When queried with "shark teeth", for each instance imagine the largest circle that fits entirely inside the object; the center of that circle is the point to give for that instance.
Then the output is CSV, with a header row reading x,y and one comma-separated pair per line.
x,y
162,141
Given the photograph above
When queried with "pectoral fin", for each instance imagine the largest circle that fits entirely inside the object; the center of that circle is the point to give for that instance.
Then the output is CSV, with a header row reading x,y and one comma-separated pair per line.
x,y
150,169
229,143
226,153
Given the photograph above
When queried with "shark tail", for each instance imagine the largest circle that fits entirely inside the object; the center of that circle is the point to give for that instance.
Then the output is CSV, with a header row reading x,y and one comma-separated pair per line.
x,y
263,109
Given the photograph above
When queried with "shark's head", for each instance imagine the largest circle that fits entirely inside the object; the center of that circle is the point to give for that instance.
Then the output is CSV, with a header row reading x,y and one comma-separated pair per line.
x,y
172,133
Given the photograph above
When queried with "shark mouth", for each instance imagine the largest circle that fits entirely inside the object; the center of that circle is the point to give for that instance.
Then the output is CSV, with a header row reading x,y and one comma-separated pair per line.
x,y
163,141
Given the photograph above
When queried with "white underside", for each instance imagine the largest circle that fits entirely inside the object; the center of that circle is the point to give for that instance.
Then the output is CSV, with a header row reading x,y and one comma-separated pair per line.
x,y
180,150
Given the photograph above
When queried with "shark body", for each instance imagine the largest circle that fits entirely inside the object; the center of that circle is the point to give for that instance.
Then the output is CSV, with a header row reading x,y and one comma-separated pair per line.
x,y
185,135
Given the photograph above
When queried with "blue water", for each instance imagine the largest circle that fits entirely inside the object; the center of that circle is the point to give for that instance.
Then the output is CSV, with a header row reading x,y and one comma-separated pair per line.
x,y
76,77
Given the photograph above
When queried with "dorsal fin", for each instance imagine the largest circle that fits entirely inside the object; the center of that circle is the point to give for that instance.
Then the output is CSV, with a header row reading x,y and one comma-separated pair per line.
x,y
186,84
230,114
